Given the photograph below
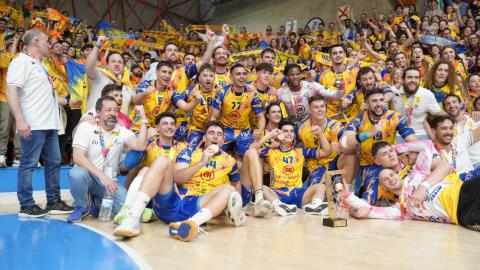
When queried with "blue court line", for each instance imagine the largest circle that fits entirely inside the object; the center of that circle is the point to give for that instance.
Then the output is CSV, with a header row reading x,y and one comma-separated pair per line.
x,y
46,243
8,179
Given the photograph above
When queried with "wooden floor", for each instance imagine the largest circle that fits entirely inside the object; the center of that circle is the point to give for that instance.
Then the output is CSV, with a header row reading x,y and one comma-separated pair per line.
x,y
301,242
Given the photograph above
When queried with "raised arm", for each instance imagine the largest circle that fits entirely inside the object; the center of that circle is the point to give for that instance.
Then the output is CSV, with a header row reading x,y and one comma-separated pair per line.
x,y
92,58
139,142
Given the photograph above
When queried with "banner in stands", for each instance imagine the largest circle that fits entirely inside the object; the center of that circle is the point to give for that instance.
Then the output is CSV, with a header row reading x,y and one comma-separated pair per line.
x,y
313,24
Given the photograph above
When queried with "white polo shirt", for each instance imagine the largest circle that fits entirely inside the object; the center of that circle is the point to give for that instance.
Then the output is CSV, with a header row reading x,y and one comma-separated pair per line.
x,y
95,91
423,102
37,99
87,137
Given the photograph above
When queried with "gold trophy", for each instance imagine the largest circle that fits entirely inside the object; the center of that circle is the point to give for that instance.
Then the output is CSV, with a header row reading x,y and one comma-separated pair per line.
x,y
333,188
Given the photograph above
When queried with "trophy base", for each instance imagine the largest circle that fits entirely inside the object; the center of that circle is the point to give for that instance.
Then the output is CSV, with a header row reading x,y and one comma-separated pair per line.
x,y
334,223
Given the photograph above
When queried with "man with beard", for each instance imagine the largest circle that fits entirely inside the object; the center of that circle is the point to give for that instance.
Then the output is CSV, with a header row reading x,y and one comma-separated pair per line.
x,y
366,81
296,93
220,60
454,149
452,104
97,150
376,124
415,102
339,75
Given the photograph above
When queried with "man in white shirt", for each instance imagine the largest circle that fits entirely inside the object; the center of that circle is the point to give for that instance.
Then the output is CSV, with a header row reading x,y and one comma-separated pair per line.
x,y
97,149
454,149
462,124
415,102
99,77
33,103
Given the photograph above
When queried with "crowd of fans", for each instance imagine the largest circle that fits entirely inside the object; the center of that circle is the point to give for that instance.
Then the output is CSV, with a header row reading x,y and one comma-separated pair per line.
x,y
356,91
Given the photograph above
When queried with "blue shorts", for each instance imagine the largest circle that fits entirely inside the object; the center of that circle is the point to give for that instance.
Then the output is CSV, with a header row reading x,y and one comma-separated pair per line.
x,y
470,175
240,140
171,208
181,133
319,173
134,158
194,138
291,195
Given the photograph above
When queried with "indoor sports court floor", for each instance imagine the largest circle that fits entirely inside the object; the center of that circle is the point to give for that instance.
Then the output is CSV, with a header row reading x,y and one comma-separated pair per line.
x,y
296,242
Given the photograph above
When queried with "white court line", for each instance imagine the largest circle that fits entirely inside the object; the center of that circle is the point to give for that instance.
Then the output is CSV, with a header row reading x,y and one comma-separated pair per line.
x,y
139,261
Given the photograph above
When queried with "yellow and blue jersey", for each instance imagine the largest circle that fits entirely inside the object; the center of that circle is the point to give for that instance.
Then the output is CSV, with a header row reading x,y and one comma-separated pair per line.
x,y
441,92
333,132
222,79
198,118
395,122
154,104
155,149
287,167
327,79
180,81
235,108
357,96
277,77
221,169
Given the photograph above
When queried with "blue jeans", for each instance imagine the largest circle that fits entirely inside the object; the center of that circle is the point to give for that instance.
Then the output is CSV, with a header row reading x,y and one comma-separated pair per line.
x,y
42,143
86,188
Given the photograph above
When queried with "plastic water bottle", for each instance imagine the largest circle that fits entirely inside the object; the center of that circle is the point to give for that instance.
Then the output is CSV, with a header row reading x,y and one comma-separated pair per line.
x,y
106,208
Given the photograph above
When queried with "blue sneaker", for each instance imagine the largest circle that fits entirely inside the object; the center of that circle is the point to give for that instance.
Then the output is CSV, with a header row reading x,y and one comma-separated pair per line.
x,y
77,215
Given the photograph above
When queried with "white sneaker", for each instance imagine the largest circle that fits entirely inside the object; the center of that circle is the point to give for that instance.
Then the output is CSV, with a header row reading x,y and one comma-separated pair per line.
x,y
234,209
316,209
16,162
3,161
283,209
262,208
130,227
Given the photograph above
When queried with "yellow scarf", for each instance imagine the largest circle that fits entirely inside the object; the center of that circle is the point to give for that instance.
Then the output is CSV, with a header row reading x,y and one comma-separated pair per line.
x,y
125,77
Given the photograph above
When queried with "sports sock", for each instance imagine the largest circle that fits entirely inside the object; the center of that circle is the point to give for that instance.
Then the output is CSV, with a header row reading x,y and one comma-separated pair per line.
x,y
201,216
258,195
133,190
139,204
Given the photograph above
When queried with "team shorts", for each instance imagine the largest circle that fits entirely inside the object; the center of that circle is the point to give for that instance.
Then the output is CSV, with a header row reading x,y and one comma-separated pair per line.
x,y
238,140
291,195
171,208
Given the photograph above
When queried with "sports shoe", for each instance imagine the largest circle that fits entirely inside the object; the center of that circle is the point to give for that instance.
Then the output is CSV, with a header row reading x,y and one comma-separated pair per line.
x,y
33,211
316,209
183,231
58,208
147,215
283,209
77,215
262,208
3,161
94,211
130,227
234,209
16,162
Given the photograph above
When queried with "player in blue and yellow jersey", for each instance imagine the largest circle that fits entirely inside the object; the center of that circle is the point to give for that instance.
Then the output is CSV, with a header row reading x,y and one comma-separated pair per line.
x,y
339,71
366,81
184,214
233,104
376,124
182,74
277,78
265,93
197,174
310,131
155,95
204,91
161,145
286,191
